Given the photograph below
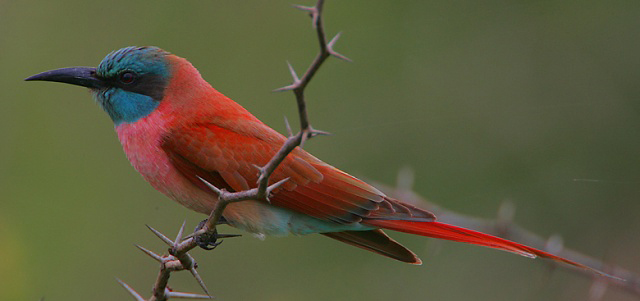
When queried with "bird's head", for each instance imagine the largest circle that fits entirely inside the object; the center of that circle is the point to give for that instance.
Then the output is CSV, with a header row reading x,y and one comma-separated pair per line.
x,y
129,83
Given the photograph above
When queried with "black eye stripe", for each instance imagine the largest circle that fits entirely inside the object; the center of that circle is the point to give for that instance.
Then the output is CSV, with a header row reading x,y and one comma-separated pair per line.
x,y
147,84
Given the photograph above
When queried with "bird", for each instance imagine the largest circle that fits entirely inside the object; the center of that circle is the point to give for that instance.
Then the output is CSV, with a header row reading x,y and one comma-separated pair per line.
x,y
177,130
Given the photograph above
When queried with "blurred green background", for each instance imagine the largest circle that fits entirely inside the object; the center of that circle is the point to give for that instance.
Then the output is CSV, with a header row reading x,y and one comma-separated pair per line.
x,y
535,102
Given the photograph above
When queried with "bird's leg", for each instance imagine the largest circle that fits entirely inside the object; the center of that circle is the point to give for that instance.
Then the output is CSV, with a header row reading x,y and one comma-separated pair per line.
x,y
209,241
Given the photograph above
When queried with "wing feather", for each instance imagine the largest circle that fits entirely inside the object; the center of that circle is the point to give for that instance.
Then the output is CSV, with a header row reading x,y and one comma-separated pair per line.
x,y
226,158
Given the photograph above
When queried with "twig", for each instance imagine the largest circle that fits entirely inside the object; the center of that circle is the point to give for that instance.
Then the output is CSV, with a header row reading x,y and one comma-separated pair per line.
x,y
178,258
503,226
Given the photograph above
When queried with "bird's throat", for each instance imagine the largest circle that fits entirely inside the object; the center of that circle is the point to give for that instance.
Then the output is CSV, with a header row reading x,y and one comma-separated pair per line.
x,y
125,106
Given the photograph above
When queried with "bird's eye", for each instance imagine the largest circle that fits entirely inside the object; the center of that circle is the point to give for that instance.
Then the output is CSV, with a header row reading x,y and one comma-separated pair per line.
x,y
127,77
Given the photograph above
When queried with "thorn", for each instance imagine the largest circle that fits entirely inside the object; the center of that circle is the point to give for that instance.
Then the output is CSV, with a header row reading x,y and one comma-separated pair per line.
x,y
171,294
229,235
340,56
334,40
285,88
286,123
258,167
504,218
294,75
296,80
272,187
335,53
506,212
314,132
275,186
218,191
160,235
199,279
179,236
261,172
303,139
310,133
313,12
309,9
405,180
554,244
150,253
597,290
131,291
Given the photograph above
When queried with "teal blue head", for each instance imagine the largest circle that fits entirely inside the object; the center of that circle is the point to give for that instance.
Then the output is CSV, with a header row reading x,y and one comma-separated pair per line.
x,y
128,84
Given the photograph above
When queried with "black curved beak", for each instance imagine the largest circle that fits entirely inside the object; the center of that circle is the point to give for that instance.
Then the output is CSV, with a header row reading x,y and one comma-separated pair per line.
x,y
80,76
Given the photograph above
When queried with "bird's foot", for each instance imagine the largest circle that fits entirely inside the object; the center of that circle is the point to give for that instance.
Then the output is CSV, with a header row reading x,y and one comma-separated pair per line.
x,y
209,241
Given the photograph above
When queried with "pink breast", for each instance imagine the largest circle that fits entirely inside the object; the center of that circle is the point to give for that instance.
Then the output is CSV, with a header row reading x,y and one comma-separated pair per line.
x,y
141,142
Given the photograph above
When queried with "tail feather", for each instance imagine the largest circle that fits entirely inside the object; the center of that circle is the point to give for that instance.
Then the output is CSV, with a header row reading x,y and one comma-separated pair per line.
x,y
378,242
449,232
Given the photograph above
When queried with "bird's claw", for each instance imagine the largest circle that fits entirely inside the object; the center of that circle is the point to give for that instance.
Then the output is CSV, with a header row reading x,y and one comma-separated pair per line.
x,y
209,241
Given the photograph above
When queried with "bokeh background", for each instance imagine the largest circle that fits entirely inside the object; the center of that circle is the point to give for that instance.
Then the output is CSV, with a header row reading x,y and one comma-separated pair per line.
x,y
534,102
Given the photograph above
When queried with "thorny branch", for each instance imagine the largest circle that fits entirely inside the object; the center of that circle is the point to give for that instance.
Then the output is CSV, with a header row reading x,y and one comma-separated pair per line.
x,y
503,226
178,258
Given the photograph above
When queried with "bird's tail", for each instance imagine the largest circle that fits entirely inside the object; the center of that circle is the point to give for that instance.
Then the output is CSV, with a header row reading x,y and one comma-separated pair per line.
x,y
449,232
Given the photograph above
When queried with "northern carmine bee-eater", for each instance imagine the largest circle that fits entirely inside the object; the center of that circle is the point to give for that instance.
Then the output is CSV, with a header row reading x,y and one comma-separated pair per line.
x,y
175,129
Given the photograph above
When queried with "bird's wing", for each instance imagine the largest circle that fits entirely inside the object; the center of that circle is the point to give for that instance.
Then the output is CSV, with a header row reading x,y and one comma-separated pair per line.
x,y
227,159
